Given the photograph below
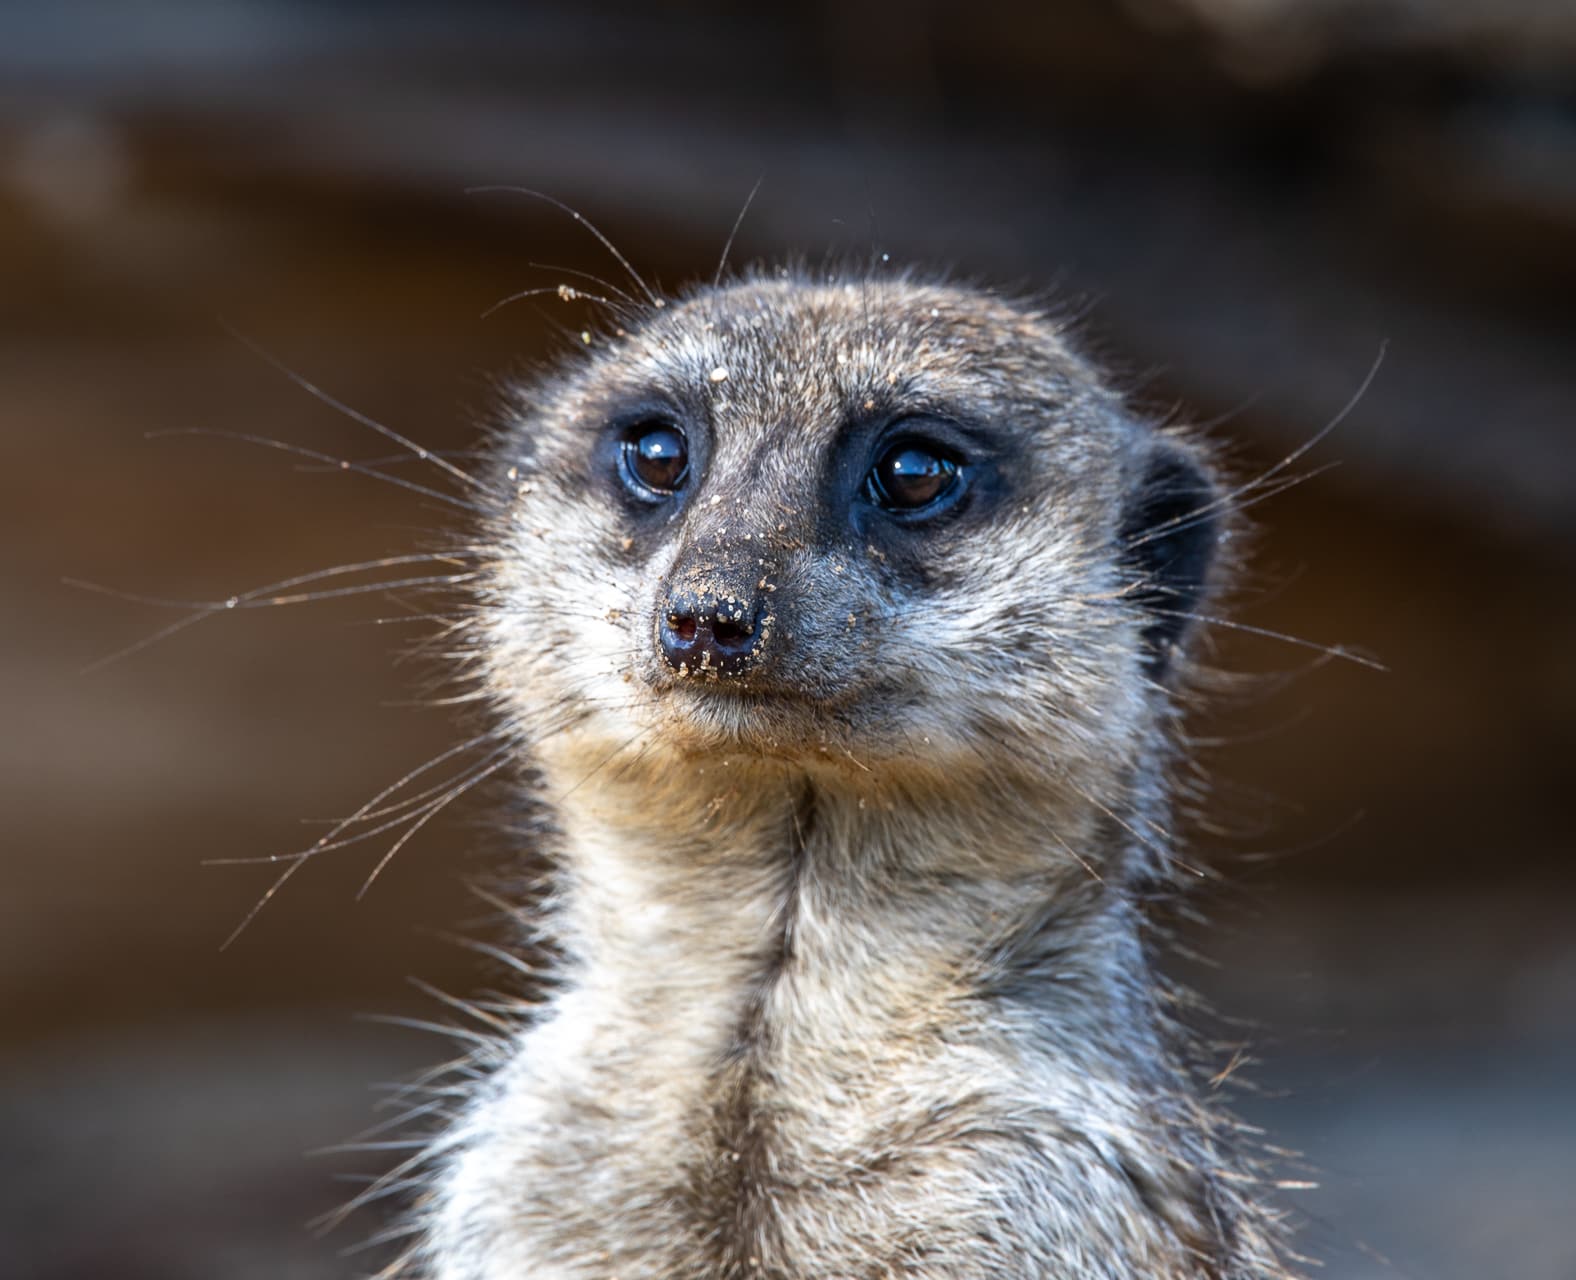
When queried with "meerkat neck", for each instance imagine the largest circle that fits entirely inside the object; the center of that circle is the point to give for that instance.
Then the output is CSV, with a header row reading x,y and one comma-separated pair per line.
x,y
808,898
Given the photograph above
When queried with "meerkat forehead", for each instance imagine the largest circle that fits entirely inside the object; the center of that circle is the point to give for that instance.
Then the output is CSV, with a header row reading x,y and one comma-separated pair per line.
x,y
769,346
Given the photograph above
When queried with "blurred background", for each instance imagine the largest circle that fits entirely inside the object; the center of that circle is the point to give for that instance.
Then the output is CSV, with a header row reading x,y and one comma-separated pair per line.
x,y
1247,200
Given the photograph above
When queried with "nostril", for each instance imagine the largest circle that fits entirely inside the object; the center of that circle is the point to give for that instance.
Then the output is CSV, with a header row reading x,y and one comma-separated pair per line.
x,y
711,634
730,634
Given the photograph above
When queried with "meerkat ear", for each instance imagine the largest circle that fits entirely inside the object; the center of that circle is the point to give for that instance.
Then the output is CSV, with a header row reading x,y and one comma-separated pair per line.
x,y
1170,530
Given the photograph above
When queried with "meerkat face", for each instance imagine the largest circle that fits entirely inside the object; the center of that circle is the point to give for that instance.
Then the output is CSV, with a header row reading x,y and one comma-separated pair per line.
x,y
863,522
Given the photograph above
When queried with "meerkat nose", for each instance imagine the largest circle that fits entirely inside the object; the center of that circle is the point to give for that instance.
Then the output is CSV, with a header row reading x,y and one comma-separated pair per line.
x,y
711,634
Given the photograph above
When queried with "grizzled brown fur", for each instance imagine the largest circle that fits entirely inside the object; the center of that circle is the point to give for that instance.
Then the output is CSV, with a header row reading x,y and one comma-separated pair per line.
x,y
853,978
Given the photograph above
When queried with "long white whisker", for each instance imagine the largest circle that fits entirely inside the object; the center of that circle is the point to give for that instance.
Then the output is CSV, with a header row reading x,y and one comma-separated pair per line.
x,y
331,462
567,292
355,415
1330,651
722,262
585,222
470,784
1225,500
622,295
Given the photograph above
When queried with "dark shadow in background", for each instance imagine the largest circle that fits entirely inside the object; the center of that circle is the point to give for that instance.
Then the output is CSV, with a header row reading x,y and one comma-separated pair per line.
x,y
1248,202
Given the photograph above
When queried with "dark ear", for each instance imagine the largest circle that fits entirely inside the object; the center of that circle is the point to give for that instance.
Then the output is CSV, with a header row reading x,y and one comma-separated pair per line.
x,y
1170,527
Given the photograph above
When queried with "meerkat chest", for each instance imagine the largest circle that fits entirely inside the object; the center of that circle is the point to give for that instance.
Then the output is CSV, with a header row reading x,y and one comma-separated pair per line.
x,y
603,1153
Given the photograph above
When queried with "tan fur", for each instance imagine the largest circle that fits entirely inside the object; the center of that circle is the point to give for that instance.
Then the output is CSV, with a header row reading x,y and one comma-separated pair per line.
x,y
854,978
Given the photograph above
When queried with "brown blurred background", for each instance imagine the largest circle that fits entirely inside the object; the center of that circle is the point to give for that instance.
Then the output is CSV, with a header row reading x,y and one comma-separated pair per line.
x,y
1247,200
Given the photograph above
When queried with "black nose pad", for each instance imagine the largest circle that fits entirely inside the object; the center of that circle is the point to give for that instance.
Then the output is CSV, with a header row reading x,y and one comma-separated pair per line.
x,y
711,634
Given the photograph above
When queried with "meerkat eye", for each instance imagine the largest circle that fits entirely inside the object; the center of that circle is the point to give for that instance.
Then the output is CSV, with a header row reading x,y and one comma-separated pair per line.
x,y
655,458
911,476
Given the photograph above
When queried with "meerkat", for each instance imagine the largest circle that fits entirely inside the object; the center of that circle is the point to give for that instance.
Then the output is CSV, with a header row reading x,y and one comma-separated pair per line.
x,y
840,627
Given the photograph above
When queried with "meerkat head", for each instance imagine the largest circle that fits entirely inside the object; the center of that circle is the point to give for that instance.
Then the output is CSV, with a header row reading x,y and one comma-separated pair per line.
x,y
860,526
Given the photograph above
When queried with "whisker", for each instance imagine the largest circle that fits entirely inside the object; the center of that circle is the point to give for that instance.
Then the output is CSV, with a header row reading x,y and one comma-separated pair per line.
x,y
598,769
1249,737
1329,651
395,460
331,842
1190,519
475,780
567,292
453,555
331,462
259,598
294,861
1166,855
722,262
1225,500
334,593
585,222
366,811
457,621
279,883
148,641
355,415
601,283
1076,856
